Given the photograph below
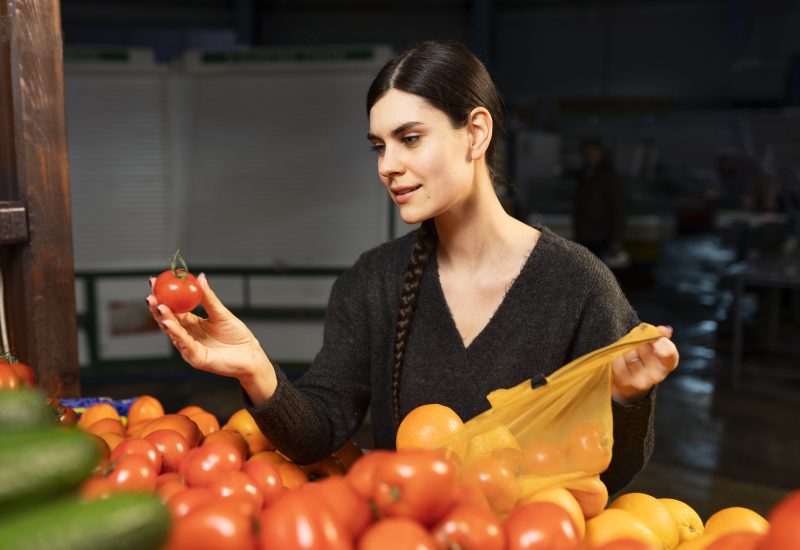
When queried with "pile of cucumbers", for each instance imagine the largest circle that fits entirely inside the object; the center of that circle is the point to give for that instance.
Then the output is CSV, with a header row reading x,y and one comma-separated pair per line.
x,y
42,466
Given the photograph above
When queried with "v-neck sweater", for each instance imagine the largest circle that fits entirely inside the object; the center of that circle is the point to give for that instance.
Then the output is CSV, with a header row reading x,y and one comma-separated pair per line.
x,y
563,304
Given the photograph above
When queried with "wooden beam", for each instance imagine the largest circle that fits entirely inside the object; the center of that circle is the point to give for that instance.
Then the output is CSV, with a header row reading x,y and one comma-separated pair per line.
x,y
39,278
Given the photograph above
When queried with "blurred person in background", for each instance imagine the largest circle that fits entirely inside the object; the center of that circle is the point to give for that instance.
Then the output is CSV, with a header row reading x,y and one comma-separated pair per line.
x,y
598,216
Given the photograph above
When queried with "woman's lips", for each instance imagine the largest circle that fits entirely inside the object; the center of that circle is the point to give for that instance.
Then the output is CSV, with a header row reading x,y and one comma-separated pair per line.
x,y
404,194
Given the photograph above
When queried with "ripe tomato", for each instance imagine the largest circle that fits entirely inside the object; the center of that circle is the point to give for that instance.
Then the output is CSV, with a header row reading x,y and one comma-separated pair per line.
x,y
417,484
172,446
496,480
107,425
132,473
397,534
267,478
540,526
66,415
176,288
588,450
352,511
139,446
24,373
231,437
8,378
206,422
361,475
219,524
203,465
238,485
188,499
348,454
292,475
470,527
784,521
181,424
544,458
299,521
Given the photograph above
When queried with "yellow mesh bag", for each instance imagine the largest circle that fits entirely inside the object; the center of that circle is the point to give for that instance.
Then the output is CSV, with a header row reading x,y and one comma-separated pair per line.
x,y
557,434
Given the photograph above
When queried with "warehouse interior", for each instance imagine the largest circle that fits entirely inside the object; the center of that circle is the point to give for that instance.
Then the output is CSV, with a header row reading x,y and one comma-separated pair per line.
x,y
216,126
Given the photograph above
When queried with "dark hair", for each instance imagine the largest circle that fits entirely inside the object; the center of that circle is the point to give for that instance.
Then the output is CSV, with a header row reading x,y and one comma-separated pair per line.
x,y
453,80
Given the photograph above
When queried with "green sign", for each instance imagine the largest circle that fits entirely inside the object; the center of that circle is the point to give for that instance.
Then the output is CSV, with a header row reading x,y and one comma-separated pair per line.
x,y
84,55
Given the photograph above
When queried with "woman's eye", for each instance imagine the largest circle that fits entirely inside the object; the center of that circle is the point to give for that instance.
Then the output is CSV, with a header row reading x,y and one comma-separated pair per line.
x,y
410,140
376,148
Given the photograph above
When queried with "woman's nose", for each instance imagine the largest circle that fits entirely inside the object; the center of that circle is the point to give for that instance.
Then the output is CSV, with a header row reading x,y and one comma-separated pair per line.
x,y
389,164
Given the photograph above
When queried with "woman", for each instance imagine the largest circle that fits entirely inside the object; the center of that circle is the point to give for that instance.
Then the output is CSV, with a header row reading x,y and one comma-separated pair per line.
x,y
473,301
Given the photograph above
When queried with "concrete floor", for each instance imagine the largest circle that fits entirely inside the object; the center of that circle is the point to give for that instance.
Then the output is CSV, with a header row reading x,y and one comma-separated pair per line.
x,y
715,447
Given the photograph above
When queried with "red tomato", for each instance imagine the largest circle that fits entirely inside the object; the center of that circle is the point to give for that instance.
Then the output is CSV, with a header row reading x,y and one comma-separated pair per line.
x,y
397,534
267,479
176,288
361,475
219,524
784,524
8,378
298,522
24,373
96,487
183,502
588,449
133,473
204,464
541,526
66,415
470,527
238,485
172,446
352,511
138,446
417,484
181,424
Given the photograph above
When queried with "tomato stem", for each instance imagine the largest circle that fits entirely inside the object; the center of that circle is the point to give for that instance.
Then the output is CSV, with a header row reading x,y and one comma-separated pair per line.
x,y
184,270
8,356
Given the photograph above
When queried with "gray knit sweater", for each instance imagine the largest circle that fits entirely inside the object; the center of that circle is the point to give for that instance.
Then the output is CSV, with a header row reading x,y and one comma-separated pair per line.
x,y
563,304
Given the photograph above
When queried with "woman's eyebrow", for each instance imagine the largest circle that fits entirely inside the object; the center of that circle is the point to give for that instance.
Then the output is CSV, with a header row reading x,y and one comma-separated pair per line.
x,y
397,131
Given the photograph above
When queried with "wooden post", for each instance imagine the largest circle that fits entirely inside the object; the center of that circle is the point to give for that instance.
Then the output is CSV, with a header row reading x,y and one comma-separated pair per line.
x,y
38,273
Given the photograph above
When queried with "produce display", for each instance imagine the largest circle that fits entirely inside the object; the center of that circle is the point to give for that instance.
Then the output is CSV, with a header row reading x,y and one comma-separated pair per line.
x,y
149,478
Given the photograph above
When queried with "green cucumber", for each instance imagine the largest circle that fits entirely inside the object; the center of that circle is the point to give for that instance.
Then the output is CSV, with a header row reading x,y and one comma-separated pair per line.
x,y
22,410
120,522
38,464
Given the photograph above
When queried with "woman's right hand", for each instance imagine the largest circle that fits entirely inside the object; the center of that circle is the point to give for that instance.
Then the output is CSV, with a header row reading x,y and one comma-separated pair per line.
x,y
221,343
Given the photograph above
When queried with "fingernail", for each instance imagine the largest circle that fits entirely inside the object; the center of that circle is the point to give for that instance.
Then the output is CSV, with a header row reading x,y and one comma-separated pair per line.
x,y
159,309
202,278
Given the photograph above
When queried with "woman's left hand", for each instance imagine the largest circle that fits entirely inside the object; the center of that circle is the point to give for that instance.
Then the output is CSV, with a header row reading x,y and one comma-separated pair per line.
x,y
637,371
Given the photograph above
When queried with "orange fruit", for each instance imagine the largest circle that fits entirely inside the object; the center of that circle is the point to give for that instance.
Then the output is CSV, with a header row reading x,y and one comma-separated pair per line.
x,y
563,498
544,458
106,425
189,410
496,480
206,421
490,441
349,453
244,423
232,437
591,493
628,544
145,407
270,457
612,524
97,412
690,526
427,427
292,475
588,449
112,439
736,518
745,540
648,509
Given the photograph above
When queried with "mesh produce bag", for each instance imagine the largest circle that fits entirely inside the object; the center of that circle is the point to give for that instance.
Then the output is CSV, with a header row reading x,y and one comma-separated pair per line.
x,y
557,431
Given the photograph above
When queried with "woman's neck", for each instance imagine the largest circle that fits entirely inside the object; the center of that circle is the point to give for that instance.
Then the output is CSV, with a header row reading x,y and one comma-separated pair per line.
x,y
480,234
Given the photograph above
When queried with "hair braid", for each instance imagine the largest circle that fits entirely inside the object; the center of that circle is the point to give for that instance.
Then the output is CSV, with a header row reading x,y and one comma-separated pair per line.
x,y
420,254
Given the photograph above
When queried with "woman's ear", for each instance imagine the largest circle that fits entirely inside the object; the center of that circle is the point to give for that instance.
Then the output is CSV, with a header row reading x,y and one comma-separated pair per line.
x,y
480,131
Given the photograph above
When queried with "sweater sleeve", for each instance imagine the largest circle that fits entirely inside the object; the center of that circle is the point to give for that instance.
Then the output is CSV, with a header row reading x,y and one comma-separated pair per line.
x,y
314,416
607,316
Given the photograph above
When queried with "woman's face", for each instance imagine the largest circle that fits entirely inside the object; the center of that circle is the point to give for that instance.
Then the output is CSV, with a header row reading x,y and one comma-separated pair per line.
x,y
423,162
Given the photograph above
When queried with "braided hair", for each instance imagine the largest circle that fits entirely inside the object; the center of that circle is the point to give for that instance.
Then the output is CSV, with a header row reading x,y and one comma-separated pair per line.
x,y
449,77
